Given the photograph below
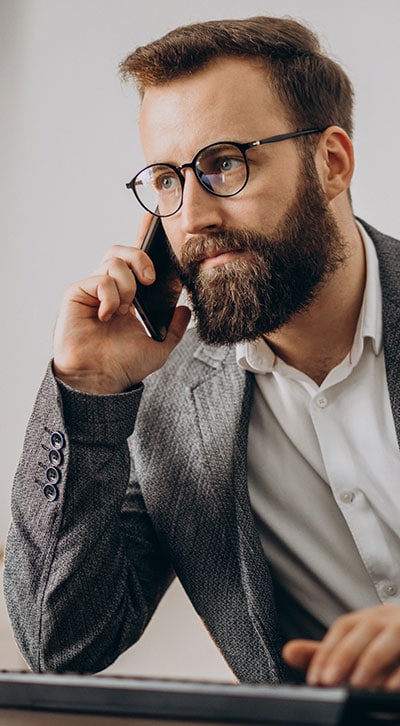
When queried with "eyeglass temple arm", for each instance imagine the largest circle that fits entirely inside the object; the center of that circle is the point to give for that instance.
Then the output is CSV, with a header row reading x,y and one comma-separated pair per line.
x,y
281,137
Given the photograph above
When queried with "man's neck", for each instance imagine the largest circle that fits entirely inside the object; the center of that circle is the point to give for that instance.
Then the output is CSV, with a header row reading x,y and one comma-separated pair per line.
x,y
318,339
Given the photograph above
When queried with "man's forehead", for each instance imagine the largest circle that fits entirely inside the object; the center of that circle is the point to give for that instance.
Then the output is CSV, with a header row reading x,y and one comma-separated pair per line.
x,y
232,70
227,100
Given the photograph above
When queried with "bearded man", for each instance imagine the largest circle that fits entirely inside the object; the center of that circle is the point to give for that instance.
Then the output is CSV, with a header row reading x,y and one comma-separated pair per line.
x,y
261,465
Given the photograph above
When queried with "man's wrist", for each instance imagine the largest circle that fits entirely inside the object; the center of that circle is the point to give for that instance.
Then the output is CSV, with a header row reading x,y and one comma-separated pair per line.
x,y
93,383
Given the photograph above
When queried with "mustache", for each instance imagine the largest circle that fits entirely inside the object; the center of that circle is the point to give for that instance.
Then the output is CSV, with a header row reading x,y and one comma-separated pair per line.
x,y
198,247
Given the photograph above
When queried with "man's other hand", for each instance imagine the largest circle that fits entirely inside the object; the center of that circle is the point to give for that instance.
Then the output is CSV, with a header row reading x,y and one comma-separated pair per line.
x,y
360,649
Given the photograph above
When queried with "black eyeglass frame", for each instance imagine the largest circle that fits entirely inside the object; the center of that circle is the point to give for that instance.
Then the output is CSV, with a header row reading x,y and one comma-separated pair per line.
x,y
243,148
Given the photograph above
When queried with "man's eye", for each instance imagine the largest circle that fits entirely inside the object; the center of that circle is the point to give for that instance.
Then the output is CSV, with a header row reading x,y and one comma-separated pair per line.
x,y
166,183
226,164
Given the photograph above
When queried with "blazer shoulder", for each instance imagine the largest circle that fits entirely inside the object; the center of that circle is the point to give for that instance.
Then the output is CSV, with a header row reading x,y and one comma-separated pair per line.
x,y
379,238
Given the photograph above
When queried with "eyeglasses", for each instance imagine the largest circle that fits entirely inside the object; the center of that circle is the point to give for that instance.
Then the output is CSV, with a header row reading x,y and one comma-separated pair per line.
x,y
221,168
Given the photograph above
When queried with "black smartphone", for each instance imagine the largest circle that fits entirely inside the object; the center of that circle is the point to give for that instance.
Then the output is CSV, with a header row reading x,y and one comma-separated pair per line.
x,y
156,303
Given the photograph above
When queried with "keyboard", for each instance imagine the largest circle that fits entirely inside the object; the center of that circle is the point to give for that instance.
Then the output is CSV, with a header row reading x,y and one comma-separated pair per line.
x,y
197,702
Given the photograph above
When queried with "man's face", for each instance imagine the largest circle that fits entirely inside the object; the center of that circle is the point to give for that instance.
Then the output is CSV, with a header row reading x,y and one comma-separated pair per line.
x,y
252,261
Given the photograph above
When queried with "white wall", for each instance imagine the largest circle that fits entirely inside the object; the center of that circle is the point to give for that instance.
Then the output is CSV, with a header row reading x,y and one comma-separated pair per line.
x,y
68,143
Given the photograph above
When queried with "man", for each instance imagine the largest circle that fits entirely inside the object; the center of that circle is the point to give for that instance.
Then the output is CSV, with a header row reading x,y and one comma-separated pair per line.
x,y
264,457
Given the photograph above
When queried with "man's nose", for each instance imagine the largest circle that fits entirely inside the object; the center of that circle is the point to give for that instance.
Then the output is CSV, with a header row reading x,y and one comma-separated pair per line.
x,y
200,211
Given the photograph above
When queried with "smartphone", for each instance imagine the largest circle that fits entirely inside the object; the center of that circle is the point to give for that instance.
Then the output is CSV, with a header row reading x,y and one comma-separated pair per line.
x,y
156,303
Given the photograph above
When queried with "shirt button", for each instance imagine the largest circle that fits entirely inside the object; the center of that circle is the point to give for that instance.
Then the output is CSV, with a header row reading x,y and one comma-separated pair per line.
x,y
347,496
321,401
390,589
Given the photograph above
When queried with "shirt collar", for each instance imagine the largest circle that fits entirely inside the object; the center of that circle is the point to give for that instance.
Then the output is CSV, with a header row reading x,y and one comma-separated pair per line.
x,y
258,357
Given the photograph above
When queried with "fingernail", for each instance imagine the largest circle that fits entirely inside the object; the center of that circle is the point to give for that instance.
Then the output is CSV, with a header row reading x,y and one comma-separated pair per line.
x,y
148,273
123,309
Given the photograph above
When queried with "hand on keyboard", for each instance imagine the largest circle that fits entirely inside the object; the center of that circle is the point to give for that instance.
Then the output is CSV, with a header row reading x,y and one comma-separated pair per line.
x,y
360,649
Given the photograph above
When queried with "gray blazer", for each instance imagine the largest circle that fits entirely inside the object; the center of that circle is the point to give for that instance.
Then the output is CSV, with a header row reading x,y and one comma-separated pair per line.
x,y
101,527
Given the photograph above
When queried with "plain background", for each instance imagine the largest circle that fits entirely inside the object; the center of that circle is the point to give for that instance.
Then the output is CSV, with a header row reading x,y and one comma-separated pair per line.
x,y
68,144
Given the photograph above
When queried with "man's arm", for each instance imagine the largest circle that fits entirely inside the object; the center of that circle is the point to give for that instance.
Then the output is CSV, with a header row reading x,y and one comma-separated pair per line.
x,y
83,568
83,571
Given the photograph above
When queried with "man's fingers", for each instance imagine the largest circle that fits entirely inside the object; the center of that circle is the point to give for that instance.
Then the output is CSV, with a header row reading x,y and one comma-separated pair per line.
x,y
109,298
339,660
330,662
135,259
114,281
298,653
378,660
98,295
360,648
123,279
392,682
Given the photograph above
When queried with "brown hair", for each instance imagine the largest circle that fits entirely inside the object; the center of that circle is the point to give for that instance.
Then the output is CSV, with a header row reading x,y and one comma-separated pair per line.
x,y
313,88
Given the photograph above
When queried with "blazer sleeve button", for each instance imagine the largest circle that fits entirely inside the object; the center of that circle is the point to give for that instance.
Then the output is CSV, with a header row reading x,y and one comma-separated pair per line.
x,y
57,440
50,492
55,457
53,475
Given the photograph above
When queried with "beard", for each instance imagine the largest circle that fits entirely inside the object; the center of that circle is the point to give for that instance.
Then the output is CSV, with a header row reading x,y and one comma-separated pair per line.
x,y
278,276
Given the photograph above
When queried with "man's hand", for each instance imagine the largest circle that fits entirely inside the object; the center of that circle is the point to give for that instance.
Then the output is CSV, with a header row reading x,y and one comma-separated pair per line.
x,y
100,346
361,649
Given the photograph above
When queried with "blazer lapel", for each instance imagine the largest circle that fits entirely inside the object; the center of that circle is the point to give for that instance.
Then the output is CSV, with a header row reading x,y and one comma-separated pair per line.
x,y
221,398
222,401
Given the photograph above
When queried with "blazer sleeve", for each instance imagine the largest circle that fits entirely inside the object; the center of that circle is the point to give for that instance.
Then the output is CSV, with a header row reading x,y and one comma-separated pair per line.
x,y
84,570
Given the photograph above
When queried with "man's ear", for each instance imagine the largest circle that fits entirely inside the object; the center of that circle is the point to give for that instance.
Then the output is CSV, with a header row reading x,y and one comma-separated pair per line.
x,y
334,160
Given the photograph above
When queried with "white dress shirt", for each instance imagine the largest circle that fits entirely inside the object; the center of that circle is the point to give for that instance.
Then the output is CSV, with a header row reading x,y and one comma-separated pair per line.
x,y
324,476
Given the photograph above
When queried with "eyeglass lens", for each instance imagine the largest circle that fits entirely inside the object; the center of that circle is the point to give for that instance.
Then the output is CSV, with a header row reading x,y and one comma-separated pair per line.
x,y
159,186
220,168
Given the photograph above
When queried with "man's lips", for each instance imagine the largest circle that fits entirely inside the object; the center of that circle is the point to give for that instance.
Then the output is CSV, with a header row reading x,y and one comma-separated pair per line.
x,y
216,258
